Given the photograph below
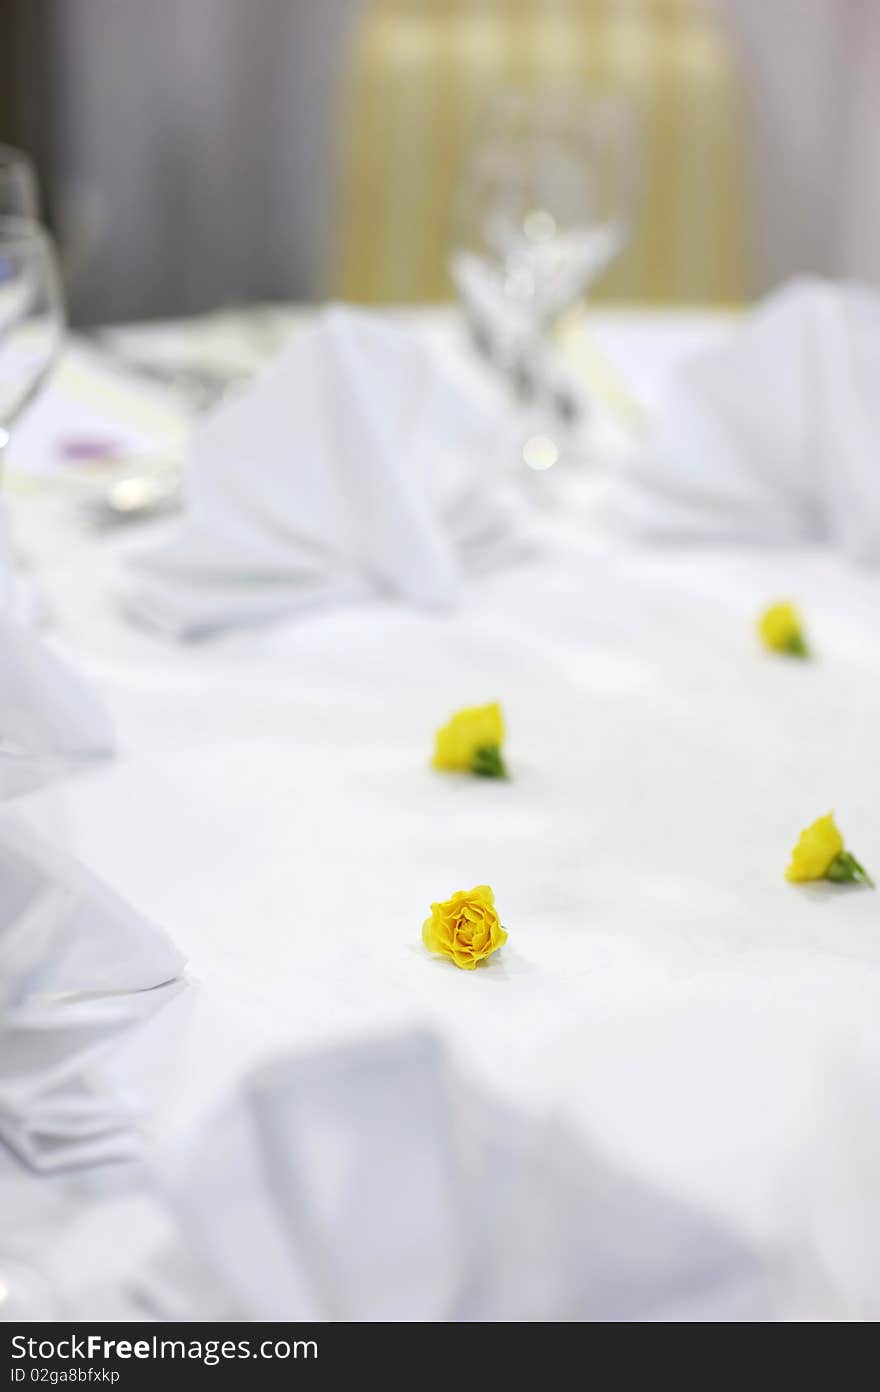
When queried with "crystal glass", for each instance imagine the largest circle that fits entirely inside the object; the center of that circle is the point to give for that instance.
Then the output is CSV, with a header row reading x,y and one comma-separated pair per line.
x,y
31,316
18,185
546,201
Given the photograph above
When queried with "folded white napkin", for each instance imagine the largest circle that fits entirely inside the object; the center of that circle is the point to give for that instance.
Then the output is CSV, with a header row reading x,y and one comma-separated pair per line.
x,y
50,720
772,436
82,976
371,1183
352,466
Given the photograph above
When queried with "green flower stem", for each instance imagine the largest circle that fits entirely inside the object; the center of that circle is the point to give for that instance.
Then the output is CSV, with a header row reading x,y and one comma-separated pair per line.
x,y
845,869
488,763
796,647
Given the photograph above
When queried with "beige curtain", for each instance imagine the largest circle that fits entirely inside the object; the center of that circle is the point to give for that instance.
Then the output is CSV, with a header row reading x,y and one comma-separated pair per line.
x,y
191,143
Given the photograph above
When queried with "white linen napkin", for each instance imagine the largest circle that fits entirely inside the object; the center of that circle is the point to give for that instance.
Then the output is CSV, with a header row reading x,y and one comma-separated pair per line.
x,y
773,436
50,720
82,977
370,1182
352,466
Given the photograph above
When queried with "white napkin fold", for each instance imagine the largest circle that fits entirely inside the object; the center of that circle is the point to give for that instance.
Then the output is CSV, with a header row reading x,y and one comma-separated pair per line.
x,y
50,720
774,435
82,977
369,1182
352,466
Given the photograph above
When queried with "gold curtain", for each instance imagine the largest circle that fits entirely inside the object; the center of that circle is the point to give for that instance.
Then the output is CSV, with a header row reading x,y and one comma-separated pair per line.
x,y
417,77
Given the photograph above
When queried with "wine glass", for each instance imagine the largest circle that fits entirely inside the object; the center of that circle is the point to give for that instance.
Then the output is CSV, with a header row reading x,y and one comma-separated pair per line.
x,y
18,185
545,202
31,316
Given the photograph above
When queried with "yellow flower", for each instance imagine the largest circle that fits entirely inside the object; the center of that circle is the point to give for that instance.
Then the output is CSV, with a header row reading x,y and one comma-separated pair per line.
x,y
819,855
817,847
466,928
782,631
471,742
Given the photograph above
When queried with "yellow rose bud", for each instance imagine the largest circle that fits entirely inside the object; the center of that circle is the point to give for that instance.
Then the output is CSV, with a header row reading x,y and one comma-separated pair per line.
x,y
782,631
466,928
819,855
471,742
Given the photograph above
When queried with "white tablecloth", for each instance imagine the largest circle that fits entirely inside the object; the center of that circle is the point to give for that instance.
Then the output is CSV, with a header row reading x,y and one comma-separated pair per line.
x,y
707,1024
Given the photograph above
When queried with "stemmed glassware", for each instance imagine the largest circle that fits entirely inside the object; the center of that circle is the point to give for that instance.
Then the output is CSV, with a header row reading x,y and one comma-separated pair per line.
x,y
19,195
31,307
31,316
545,203
31,319
31,332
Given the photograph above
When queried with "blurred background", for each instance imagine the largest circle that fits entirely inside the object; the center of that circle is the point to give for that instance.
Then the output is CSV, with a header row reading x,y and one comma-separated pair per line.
x,y
215,152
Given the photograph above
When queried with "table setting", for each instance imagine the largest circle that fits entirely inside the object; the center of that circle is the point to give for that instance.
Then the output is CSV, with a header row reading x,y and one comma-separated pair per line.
x,y
438,831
